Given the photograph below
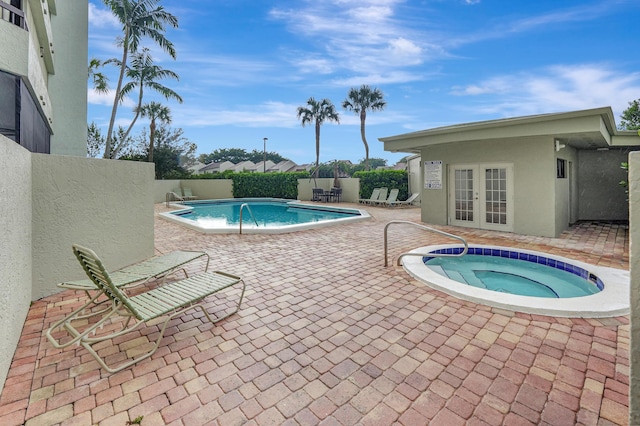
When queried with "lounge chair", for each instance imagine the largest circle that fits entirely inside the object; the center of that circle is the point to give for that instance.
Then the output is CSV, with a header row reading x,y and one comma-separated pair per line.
x,y
140,273
175,195
132,275
168,301
406,202
382,196
187,194
374,197
393,197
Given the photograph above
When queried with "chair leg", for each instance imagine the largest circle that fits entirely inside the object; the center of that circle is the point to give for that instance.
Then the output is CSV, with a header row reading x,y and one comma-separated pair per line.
x,y
78,314
88,342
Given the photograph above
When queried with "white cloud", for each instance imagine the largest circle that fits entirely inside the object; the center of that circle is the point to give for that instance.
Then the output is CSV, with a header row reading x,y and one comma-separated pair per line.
x,y
555,88
102,18
268,114
97,98
360,37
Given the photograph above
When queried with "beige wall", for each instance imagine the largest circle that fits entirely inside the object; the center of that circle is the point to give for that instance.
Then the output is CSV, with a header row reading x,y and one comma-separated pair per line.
x,y
213,189
15,250
533,180
350,188
50,202
634,266
204,189
68,86
106,205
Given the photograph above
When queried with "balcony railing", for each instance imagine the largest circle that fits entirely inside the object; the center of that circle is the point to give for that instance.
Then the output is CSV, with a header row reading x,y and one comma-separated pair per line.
x,y
13,14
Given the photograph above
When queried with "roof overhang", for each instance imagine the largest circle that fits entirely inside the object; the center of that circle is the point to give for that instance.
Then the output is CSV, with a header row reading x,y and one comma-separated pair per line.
x,y
585,129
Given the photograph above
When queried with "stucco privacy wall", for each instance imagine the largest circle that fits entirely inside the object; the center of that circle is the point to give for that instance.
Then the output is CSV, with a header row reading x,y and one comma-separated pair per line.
x,y
214,189
350,188
634,267
15,250
106,205
204,189
599,174
532,179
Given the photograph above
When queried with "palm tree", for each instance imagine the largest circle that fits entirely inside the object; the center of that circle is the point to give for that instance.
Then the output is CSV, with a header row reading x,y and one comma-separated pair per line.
x,y
139,18
155,111
359,101
100,81
143,73
318,112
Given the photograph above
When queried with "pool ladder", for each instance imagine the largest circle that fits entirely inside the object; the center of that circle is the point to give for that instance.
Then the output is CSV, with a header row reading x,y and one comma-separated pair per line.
x,y
426,228
242,206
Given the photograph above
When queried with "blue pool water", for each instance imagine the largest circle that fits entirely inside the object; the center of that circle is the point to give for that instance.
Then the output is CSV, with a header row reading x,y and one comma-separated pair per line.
x,y
271,213
516,273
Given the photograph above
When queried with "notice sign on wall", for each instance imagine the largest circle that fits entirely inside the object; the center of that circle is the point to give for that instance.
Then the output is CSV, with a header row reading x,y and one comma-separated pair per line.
x,y
433,175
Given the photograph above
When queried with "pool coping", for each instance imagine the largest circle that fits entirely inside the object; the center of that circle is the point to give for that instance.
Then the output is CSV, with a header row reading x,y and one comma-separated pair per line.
x,y
249,229
612,301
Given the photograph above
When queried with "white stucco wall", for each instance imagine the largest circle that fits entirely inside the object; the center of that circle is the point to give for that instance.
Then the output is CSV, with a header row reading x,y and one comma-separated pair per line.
x,y
533,173
68,86
106,205
213,189
350,188
634,267
15,250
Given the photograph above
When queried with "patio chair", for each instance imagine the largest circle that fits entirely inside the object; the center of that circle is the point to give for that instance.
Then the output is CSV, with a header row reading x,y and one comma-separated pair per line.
x,y
175,195
374,197
382,196
139,273
168,301
317,194
133,275
393,197
187,194
406,202
336,194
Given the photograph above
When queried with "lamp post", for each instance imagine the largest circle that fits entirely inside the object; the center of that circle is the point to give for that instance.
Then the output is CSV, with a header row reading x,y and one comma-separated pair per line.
x,y
264,156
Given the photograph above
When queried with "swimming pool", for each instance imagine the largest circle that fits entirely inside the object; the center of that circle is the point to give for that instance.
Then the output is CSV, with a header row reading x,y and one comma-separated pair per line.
x,y
260,215
604,292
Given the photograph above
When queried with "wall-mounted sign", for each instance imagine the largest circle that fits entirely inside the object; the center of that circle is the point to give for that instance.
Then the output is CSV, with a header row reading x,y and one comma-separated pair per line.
x,y
433,175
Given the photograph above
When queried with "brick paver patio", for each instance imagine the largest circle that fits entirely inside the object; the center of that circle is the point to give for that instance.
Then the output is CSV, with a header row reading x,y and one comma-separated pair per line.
x,y
328,335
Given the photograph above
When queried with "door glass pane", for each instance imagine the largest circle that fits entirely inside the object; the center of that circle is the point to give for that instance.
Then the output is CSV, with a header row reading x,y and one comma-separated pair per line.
x,y
464,195
496,196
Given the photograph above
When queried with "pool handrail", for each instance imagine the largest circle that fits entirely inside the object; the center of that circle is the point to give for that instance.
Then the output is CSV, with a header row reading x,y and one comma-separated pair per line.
x,y
243,205
427,228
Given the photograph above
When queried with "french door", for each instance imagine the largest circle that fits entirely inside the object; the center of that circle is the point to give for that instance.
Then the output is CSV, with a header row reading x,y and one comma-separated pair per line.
x,y
481,196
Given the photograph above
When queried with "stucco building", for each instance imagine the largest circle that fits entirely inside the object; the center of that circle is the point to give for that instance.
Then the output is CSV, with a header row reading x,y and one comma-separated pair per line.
x,y
531,175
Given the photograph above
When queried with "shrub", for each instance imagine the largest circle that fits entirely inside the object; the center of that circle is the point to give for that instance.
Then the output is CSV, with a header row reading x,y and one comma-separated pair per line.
x,y
383,178
273,185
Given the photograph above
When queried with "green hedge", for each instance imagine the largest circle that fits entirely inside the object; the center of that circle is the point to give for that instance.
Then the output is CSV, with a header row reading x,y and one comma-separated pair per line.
x,y
272,185
383,178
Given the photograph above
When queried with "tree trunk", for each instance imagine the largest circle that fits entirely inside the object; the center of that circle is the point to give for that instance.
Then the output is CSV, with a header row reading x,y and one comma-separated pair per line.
x,y
363,117
116,100
317,149
152,134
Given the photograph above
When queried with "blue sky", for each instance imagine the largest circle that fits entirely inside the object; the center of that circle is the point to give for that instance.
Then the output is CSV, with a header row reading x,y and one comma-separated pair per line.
x,y
246,65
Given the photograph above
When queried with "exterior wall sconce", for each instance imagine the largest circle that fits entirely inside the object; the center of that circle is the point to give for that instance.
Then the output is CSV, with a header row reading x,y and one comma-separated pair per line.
x,y
559,145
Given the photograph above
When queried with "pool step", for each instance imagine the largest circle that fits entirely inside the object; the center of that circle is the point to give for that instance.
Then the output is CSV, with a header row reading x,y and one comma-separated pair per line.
x,y
438,269
456,276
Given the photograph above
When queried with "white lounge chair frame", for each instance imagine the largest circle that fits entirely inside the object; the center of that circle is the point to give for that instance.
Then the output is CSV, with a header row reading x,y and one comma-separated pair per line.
x,y
170,300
